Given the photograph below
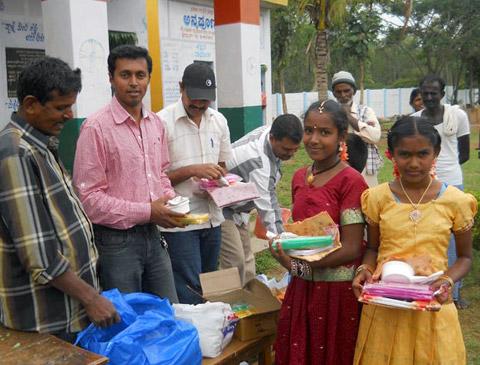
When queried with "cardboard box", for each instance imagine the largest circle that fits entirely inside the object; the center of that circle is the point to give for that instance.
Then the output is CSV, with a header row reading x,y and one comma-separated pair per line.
x,y
225,286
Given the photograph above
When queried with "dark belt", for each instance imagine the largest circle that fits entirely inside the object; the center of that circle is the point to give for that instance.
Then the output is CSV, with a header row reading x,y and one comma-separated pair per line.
x,y
139,228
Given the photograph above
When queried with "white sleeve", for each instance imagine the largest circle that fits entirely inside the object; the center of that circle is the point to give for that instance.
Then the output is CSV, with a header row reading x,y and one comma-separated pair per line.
x,y
369,127
225,145
463,123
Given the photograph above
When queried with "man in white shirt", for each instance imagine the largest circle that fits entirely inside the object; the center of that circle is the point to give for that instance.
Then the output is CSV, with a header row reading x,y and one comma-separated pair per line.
x,y
452,124
199,144
454,128
361,120
257,158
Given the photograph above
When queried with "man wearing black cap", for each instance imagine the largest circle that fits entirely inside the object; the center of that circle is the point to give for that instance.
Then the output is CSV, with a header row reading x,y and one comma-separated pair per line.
x,y
198,144
362,122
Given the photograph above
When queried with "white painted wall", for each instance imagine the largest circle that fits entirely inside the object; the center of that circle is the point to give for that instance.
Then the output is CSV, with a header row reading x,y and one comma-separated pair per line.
x,y
182,42
21,26
78,38
266,59
239,65
385,102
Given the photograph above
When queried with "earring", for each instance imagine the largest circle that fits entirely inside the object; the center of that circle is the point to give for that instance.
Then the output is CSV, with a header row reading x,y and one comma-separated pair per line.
x,y
396,172
343,149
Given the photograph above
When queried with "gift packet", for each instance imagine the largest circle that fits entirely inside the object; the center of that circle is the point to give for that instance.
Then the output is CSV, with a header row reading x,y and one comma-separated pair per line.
x,y
400,295
229,190
318,237
401,288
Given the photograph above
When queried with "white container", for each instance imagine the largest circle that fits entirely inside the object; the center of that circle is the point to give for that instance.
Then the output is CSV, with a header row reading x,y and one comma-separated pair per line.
x,y
397,272
179,204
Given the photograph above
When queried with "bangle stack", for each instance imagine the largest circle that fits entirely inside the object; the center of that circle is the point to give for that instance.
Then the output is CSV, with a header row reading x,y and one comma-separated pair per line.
x,y
300,268
364,267
448,279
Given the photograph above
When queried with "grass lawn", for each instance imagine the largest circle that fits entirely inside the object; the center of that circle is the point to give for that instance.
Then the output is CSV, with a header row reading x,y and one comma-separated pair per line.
x,y
469,318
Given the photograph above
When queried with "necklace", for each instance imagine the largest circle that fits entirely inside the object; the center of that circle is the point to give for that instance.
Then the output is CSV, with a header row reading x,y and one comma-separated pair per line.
x,y
313,173
415,214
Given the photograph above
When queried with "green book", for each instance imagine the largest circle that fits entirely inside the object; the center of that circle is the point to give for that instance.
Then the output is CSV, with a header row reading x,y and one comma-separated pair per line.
x,y
302,243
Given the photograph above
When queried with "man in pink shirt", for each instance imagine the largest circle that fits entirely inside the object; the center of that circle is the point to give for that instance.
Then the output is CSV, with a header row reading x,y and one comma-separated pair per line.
x,y
119,176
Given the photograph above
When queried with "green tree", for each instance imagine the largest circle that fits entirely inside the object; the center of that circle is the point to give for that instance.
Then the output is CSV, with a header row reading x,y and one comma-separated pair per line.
x,y
284,25
444,33
323,14
359,37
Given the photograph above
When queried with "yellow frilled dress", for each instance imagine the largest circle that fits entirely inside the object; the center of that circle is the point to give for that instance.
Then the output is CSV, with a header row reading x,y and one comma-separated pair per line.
x,y
405,337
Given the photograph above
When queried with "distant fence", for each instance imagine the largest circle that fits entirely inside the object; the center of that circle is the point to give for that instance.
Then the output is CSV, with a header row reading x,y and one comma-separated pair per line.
x,y
386,102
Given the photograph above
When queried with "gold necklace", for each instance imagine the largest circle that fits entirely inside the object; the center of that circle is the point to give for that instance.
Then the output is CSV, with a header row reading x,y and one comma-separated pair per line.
x,y
415,214
313,173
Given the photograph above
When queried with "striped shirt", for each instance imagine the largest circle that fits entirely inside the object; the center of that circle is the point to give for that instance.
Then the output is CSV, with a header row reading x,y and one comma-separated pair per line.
x,y
254,160
44,231
189,144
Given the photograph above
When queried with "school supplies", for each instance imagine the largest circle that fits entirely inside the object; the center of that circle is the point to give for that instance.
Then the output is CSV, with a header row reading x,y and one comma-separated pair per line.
x,y
229,190
320,225
400,295
304,242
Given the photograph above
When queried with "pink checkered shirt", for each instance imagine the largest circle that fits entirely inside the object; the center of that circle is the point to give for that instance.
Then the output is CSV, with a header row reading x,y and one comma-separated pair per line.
x,y
119,166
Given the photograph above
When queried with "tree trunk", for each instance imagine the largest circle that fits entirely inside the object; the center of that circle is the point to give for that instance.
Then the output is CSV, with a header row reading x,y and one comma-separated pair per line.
x,y
456,75
281,81
321,59
470,87
362,80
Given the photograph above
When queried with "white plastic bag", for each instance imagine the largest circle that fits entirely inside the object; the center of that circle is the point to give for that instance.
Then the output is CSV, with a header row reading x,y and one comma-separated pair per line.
x,y
215,323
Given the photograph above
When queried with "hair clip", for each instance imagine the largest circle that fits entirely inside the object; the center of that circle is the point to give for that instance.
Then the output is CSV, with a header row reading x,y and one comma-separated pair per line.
x,y
321,107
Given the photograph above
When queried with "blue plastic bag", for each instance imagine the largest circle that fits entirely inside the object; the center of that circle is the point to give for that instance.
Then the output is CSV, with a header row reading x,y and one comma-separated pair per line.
x,y
148,333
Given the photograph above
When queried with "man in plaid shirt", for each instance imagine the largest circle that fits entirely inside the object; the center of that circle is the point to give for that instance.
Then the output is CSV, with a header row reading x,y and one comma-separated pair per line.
x,y
48,278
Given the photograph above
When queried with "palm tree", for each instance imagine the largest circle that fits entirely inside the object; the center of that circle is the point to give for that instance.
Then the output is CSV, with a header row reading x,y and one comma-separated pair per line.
x,y
323,14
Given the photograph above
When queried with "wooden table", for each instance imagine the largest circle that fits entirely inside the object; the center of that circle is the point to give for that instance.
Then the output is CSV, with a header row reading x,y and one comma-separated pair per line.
x,y
237,351
20,348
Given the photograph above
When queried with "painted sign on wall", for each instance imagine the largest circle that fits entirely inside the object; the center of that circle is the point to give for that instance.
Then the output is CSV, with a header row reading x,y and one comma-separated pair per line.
x,y
16,59
187,35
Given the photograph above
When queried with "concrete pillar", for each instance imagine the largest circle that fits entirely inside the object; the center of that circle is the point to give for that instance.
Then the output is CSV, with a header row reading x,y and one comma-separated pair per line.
x,y
77,32
237,54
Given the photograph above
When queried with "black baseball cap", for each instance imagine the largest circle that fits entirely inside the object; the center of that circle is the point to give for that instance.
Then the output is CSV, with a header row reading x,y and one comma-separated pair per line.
x,y
199,81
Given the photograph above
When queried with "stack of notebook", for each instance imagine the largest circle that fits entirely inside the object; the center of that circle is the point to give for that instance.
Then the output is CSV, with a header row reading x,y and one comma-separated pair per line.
x,y
398,295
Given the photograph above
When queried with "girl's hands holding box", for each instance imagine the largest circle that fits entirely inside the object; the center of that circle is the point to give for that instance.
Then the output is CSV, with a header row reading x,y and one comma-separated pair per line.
x,y
280,255
443,289
363,274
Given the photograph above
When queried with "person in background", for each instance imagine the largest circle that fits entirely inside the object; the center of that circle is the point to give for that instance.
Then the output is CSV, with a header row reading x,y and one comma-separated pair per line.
x,y
319,318
48,258
199,145
257,158
361,121
416,101
413,216
452,124
119,173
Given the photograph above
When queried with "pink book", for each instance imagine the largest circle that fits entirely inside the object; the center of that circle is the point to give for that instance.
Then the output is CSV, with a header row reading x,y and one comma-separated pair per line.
x,y
233,194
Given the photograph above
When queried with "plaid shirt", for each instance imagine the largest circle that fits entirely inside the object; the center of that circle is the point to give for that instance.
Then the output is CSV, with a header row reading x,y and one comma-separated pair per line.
x,y
43,233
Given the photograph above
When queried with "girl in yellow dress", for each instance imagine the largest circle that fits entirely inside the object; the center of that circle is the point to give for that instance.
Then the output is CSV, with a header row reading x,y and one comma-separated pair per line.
x,y
413,216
